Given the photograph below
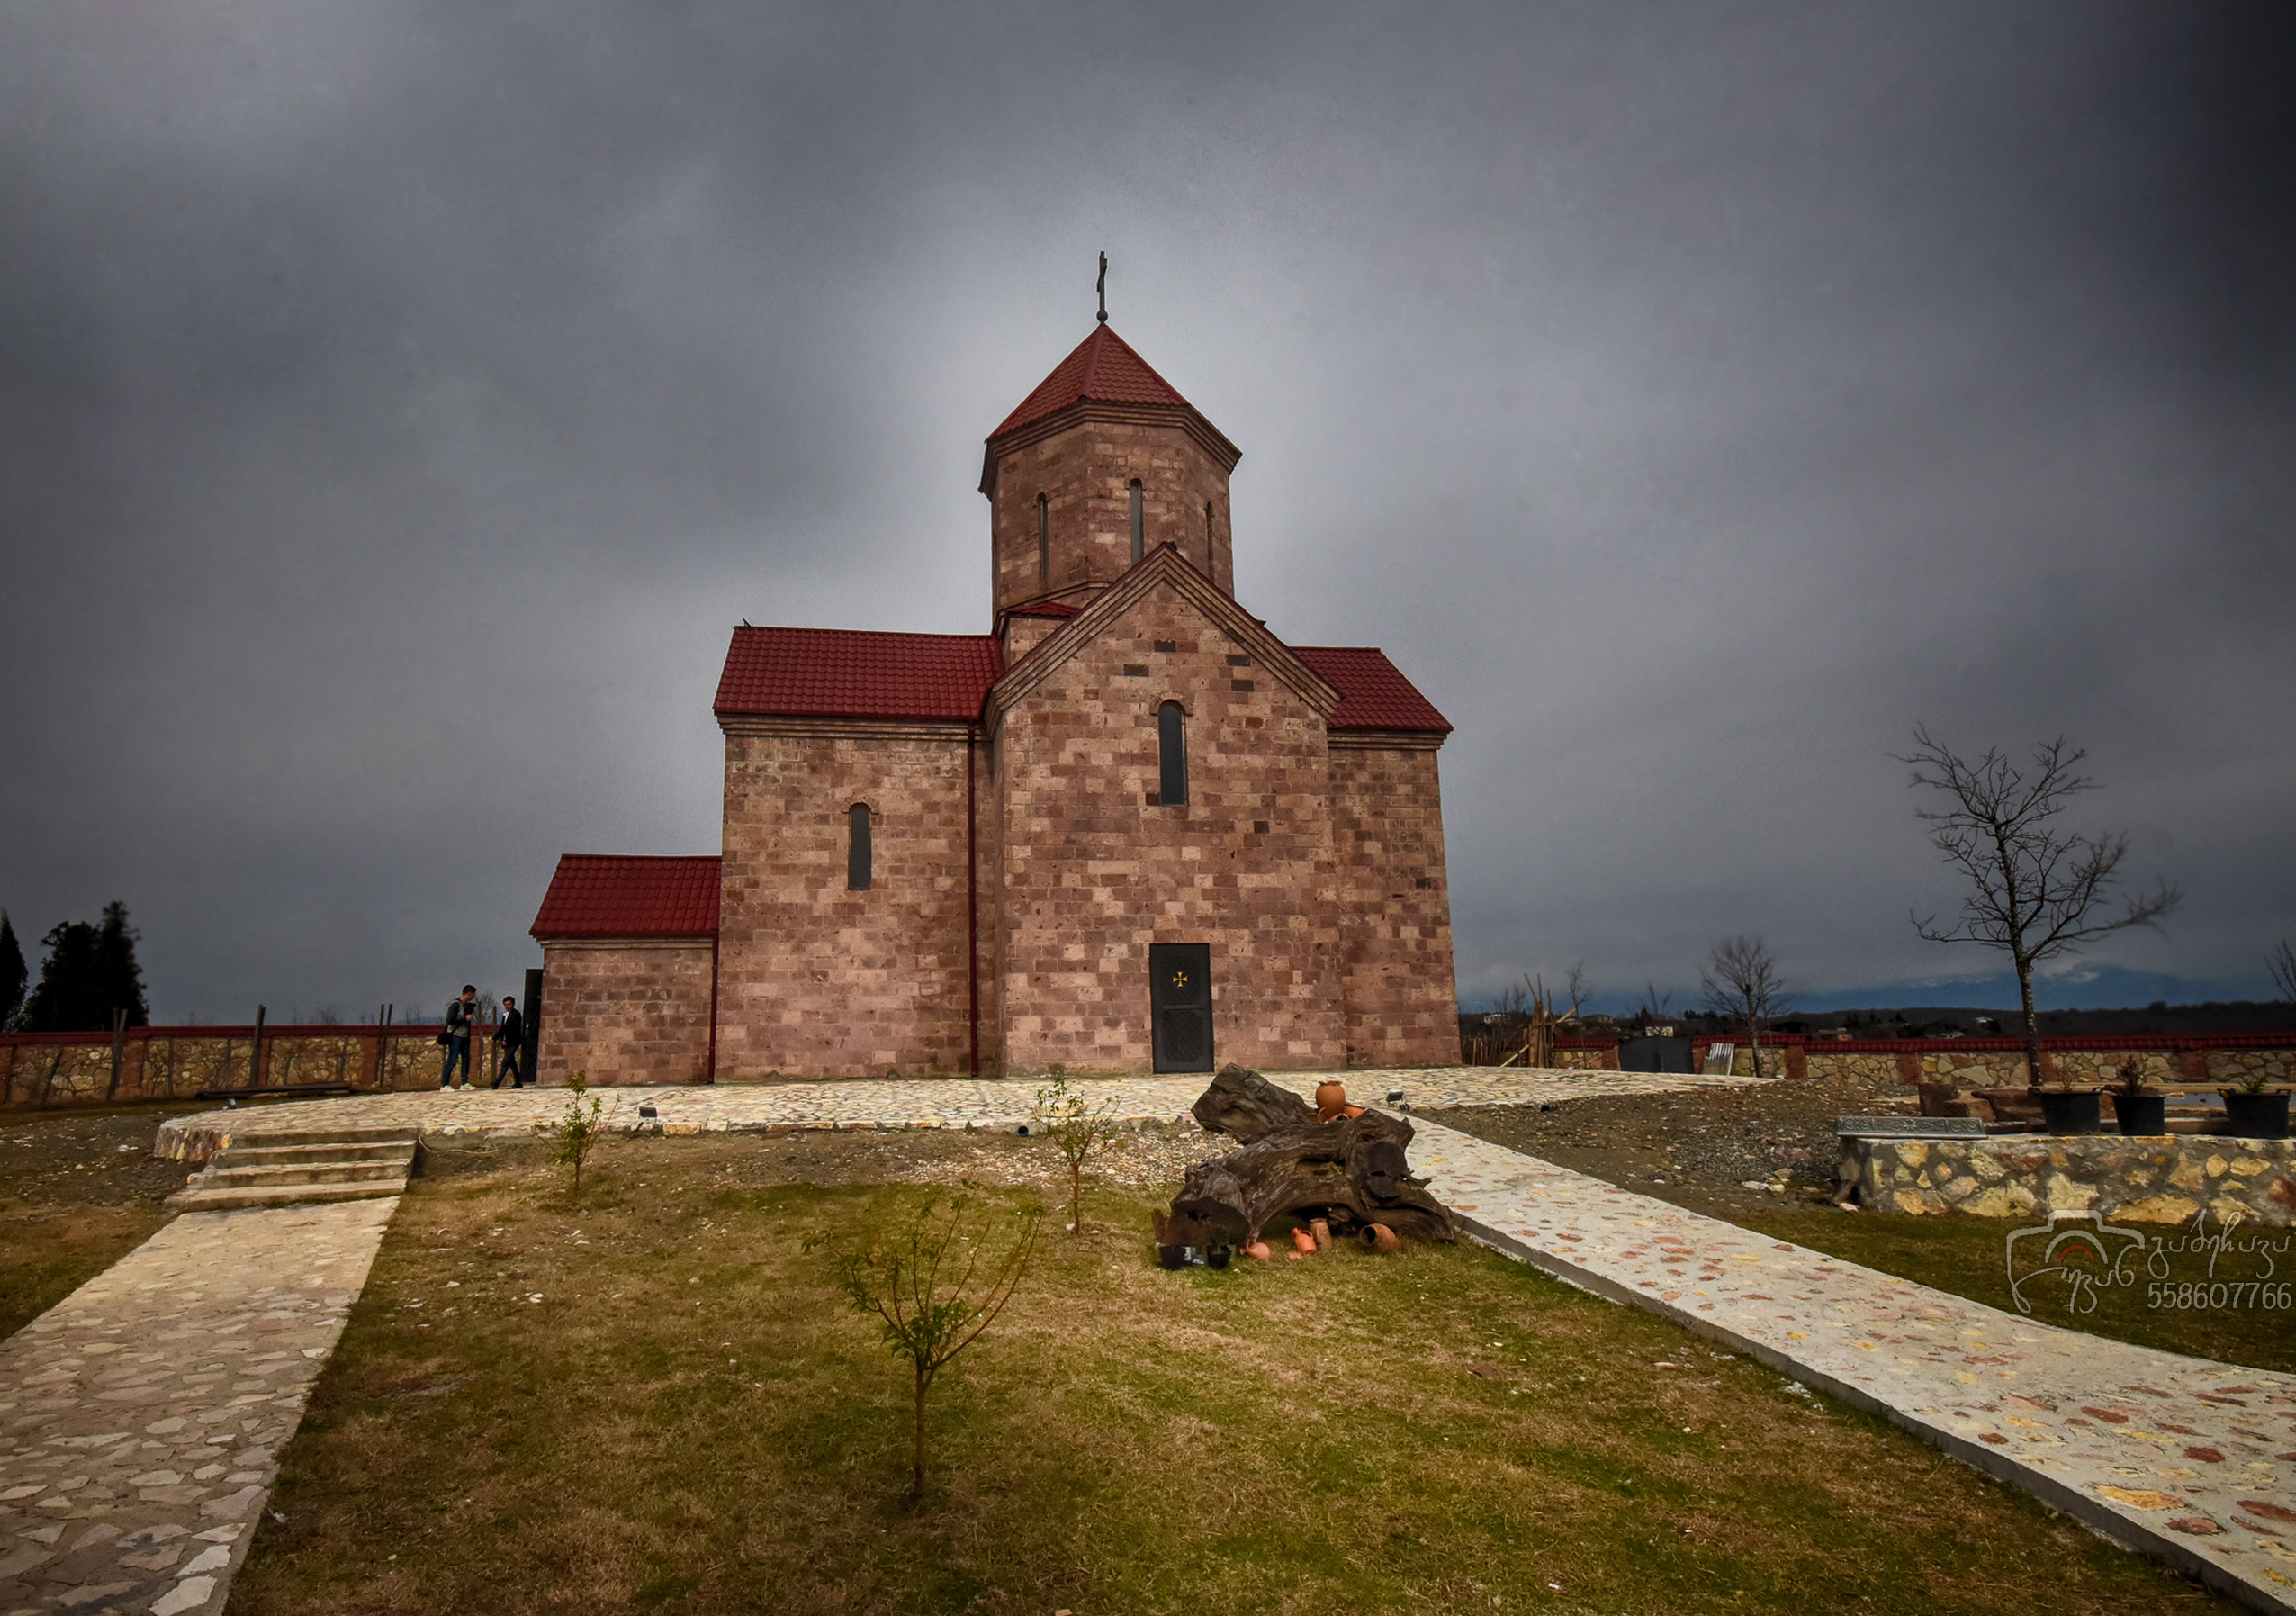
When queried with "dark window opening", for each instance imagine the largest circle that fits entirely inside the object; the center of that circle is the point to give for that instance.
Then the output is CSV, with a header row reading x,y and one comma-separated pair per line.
x,y
1136,519
1043,542
858,858
1207,535
1171,755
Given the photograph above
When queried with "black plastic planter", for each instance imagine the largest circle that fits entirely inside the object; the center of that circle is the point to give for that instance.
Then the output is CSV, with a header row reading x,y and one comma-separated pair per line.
x,y
2255,1115
2141,1115
2070,1110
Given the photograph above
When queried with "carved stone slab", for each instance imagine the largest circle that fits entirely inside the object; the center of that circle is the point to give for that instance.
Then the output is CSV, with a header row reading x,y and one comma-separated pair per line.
x,y
1909,1127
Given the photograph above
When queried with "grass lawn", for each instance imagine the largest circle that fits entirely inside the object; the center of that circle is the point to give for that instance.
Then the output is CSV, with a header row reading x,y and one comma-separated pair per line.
x,y
687,1420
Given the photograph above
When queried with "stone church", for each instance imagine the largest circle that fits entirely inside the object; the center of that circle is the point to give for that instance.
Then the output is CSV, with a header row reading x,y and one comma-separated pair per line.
x,y
1127,829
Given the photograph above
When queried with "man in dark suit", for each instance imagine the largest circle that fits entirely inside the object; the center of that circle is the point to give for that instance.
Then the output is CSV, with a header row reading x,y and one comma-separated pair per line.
x,y
512,1038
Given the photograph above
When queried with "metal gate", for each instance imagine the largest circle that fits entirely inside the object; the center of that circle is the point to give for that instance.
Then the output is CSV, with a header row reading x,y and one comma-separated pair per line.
x,y
1655,1054
1180,1005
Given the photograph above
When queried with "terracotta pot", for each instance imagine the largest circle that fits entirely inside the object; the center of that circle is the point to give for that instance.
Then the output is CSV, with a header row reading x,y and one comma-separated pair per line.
x,y
1304,1241
1322,1231
1331,1100
1379,1237
1258,1249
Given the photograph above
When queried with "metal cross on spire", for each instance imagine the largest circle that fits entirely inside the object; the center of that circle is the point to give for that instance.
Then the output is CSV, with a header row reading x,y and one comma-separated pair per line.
x,y
1104,288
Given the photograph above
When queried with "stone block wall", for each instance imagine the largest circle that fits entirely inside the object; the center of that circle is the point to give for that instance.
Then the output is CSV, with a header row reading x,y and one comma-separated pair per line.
x,y
816,980
1085,471
2164,1180
1395,902
1089,872
2232,1067
46,1070
1985,1063
630,1012
1602,1059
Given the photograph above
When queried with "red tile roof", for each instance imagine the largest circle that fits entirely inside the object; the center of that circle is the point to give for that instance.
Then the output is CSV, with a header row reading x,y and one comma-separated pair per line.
x,y
614,897
835,672
1044,609
1102,366
1372,693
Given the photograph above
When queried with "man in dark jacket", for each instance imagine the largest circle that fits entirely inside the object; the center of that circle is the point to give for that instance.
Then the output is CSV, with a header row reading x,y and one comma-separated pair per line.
x,y
460,1013
512,1038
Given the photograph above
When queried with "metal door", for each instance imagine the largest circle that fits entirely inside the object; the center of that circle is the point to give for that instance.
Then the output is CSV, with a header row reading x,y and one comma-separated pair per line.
x,y
1180,1005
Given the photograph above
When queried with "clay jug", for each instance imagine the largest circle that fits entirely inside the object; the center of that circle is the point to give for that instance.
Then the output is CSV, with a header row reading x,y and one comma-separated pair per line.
x,y
1331,1100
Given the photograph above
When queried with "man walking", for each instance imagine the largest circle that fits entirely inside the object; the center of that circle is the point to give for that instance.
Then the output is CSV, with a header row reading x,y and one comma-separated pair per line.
x,y
458,1036
511,1036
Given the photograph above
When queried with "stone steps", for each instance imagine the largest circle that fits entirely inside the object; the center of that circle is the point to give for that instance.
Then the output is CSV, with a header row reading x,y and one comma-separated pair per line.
x,y
301,1166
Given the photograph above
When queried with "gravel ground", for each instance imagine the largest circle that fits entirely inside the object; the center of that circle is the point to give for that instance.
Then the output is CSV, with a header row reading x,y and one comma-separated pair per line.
x,y
1699,1147
60,1159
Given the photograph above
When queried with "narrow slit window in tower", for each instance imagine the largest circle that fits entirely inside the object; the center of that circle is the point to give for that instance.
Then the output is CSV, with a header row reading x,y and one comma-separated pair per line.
x,y
857,855
1207,535
1171,756
1136,520
1044,542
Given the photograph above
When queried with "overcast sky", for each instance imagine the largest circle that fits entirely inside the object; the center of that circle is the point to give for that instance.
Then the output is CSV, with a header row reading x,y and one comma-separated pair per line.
x,y
399,403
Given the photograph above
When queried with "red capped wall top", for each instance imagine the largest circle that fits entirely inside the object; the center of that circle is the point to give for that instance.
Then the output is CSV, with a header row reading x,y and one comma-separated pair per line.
x,y
594,895
843,674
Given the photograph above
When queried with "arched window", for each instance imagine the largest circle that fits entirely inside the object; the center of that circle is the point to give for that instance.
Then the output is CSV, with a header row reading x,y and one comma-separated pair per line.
x,y
857,853
1043,542
1136,520
1171,756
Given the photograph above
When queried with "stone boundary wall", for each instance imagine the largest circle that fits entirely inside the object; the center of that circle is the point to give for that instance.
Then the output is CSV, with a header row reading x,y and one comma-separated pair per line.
x,y
2000,1062
2163,1180
49,1070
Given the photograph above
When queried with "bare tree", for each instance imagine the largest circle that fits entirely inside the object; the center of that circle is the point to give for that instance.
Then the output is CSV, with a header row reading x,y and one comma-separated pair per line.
x,y
1742,984
2281,961
1575,984
2034,888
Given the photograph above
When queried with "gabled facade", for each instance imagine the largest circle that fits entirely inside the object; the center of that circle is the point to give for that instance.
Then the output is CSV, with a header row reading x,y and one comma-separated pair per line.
x,y
1130,828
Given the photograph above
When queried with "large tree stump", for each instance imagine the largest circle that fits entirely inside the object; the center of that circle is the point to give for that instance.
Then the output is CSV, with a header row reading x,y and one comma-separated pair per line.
x,y
1352,1171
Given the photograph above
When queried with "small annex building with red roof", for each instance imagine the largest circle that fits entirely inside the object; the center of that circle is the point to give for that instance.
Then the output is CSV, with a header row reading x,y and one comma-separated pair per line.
x,y
1129,828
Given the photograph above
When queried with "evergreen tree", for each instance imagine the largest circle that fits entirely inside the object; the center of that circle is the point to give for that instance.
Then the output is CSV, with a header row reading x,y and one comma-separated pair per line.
x,y
65,999
90,972
13,974
120,979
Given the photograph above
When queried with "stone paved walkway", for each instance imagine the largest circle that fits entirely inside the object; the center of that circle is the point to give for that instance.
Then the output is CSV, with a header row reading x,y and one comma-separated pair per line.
x,y
2190,1460
142,1416
868,1104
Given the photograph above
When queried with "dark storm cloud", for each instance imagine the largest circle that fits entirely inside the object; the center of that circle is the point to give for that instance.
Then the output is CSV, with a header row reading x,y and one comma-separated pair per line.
x,y
397,406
